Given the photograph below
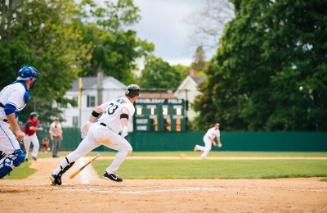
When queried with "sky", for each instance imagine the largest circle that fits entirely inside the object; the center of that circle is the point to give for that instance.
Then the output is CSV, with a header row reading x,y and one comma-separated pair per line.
x,y
164,23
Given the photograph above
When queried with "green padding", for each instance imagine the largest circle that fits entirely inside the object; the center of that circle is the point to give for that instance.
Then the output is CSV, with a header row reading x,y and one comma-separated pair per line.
x,y
232,141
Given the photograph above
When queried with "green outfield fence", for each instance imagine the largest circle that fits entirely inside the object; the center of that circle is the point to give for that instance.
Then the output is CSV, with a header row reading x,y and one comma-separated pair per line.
x,y
232,141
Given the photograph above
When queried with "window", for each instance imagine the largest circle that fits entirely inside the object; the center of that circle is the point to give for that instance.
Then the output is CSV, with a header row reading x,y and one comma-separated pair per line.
x,y
75,121
90,101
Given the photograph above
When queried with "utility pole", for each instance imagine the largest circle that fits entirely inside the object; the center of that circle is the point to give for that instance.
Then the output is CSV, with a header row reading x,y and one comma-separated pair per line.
x,y
99,86
80,88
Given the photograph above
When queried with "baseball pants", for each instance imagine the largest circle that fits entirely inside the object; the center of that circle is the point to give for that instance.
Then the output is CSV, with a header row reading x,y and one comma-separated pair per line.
x,y
100,135
204,149
55,144
27,143
8,141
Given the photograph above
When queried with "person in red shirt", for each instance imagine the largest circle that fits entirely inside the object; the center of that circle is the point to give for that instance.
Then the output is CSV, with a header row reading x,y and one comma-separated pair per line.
x,y
30,129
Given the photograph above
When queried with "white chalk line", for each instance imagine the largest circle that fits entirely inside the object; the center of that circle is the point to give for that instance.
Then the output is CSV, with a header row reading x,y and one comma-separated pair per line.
x,y
140,192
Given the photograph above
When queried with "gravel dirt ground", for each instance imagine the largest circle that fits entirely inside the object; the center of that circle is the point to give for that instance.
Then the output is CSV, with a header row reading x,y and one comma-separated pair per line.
x,y
90,193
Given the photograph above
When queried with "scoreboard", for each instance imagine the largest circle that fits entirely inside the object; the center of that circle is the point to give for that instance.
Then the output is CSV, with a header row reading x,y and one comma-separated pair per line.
x,y
155,114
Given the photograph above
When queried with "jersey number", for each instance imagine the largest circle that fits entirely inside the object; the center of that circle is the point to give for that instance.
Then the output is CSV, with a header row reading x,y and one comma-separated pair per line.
x,y
112,108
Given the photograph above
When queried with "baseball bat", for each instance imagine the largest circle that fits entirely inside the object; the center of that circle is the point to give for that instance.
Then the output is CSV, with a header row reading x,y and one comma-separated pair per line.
x,y
80,169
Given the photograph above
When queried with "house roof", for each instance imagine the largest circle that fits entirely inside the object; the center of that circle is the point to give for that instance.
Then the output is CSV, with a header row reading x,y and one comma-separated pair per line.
x,y
198,80
90,83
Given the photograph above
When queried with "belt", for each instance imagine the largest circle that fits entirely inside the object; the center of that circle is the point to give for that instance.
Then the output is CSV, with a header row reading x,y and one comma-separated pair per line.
x,y
105,125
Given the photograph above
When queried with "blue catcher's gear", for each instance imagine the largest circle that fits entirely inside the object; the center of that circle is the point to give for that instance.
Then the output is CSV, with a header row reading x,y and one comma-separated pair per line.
x,y
8,162
27,72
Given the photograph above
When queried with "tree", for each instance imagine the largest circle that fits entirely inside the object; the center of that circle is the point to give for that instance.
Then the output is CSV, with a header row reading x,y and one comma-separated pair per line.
x,y
184,70
157,73
270,71
65,39
43,34
114,48
209,22
199,62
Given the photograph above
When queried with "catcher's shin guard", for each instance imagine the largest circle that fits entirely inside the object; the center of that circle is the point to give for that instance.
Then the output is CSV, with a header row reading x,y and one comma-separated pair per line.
x,y
7,163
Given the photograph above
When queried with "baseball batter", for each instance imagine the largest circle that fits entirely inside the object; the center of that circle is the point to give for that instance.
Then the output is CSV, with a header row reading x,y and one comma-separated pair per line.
x,y
209,139
13,99
30,129
105,124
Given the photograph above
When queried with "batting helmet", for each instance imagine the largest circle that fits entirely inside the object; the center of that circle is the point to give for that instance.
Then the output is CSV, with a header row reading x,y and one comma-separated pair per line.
x,y
132,90
27,72
32,114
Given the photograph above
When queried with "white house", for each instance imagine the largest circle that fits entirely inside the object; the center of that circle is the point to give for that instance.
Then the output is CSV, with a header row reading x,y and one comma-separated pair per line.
x,y
91,96
188,90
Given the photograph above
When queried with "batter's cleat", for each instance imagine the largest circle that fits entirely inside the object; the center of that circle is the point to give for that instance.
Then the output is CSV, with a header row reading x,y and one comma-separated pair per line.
x,y
112,177
34,158
55,180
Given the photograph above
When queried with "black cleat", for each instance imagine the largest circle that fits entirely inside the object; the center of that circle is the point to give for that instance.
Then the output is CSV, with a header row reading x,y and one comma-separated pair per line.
x,y
113,177
55,180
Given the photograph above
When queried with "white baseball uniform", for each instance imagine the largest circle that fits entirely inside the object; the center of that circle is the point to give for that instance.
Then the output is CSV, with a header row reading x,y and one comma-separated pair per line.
x,y
211,133
12,94
105,132
36,144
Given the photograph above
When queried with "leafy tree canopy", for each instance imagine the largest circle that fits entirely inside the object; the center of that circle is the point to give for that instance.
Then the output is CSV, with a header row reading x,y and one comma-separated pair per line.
x,y
270,71
66,39
114,48
158,73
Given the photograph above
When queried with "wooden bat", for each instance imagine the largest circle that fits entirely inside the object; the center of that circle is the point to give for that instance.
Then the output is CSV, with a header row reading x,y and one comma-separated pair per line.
x,y
80,169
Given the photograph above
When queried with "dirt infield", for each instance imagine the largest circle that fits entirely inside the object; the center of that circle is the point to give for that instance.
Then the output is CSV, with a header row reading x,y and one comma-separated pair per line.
x,y
89,193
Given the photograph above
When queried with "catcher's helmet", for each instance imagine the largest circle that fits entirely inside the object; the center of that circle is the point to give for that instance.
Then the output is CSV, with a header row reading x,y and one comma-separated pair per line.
x,y
132,90
27,72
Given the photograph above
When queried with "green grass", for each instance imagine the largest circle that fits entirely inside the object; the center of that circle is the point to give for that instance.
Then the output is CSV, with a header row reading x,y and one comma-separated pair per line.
x,y
234,154
21,172
197,169
323,179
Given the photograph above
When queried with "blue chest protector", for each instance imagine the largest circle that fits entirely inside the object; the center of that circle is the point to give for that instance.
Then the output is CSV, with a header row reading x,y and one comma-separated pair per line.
x,y
27,92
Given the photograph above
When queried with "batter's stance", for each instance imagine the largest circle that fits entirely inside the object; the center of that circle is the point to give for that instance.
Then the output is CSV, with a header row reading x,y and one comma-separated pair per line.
x,y
13,98
105,124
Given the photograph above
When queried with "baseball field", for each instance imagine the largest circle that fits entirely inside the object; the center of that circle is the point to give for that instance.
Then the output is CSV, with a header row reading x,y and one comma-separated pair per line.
x,y
174,182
